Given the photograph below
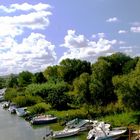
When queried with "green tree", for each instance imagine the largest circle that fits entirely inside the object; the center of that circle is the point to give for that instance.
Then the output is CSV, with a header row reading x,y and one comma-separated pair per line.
x,y
38,78
101,87
81,88
127,88
71,68
117,61
51,73
12,81
25,78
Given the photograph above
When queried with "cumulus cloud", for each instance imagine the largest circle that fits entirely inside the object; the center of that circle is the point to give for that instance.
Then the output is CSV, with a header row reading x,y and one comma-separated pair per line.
x,y
78,46
113,19
135,29
16,25
24,7
34,53
34,20
122,32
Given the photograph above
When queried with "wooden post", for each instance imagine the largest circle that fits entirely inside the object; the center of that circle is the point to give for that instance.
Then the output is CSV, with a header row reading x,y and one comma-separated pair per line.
x,y
129,133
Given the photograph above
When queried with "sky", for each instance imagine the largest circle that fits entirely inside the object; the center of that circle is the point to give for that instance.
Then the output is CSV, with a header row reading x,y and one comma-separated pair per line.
x,y
41,33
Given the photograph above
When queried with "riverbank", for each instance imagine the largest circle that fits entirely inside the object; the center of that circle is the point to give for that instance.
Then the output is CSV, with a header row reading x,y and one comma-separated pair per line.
x,y
16,128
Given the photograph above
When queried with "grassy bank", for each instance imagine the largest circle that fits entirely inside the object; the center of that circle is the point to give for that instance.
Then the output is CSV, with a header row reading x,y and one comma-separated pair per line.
x,y
123,119
116,120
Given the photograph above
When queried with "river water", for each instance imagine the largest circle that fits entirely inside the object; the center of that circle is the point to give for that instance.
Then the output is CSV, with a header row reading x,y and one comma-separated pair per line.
x,y
13,127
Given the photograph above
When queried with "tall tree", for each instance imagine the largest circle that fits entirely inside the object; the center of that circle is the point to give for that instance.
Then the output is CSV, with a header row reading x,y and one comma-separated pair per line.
x,y
117,61
127,88
51,73
25,78
12,81
81,88
71,68
39,78
101,87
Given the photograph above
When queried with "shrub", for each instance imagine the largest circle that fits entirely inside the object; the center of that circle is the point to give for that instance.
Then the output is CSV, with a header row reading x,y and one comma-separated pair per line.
x,y
39,108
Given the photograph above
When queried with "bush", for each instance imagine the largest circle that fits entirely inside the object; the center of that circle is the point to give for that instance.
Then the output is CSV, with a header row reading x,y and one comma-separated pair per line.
x,y
39,108
10,94
28,100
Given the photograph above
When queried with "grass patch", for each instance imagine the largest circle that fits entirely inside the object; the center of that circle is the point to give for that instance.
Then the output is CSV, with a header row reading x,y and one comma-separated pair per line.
x,y
69,114
124,119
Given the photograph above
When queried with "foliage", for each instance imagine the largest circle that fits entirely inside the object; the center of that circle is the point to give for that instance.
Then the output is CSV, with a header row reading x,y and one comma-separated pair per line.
x,y
72,68
127,88
39,108
101,88
117,61
28,100
25,78
81,88
109,86
69,114
2,82
123,119
10,94
12,81
38,78
51,73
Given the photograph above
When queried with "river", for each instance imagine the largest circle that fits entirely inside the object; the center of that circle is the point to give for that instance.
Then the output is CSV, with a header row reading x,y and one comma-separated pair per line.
x,y
13,127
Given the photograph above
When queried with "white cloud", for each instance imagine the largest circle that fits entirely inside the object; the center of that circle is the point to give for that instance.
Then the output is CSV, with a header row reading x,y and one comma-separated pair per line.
x,y
15,25
34,53
113,19
35,20
135,29
122,32
24,7
82,48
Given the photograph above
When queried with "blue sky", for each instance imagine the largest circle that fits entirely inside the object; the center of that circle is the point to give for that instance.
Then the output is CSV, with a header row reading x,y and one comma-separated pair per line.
x,y
34,35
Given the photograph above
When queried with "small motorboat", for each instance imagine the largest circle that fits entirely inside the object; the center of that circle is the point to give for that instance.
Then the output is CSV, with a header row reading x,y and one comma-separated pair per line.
x,y
12,109
21,112
5,105
43,119
65,133
102,132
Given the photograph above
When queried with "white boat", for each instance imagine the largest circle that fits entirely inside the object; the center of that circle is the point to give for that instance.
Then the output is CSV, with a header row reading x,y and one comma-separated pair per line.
x,y
65,133
21,112
43,119
5,104
12,109
102,132
1,98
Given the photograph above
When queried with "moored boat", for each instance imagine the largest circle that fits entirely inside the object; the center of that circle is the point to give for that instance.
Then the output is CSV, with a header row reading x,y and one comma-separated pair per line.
x,y
65,133
21,112
102,132
43,119
12,109
83,124
5,104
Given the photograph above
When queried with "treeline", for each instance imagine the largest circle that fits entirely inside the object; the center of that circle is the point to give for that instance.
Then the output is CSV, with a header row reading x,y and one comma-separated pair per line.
x,y
111,84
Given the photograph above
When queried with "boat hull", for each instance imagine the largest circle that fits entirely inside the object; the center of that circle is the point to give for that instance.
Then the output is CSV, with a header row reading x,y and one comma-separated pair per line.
x,y
43,121
65,133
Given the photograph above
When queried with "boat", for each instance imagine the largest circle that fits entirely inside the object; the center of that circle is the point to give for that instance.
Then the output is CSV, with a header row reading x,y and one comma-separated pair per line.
x,y
21,112
65,133
5,105
1,98
102,132
12,109
43,119
83,124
